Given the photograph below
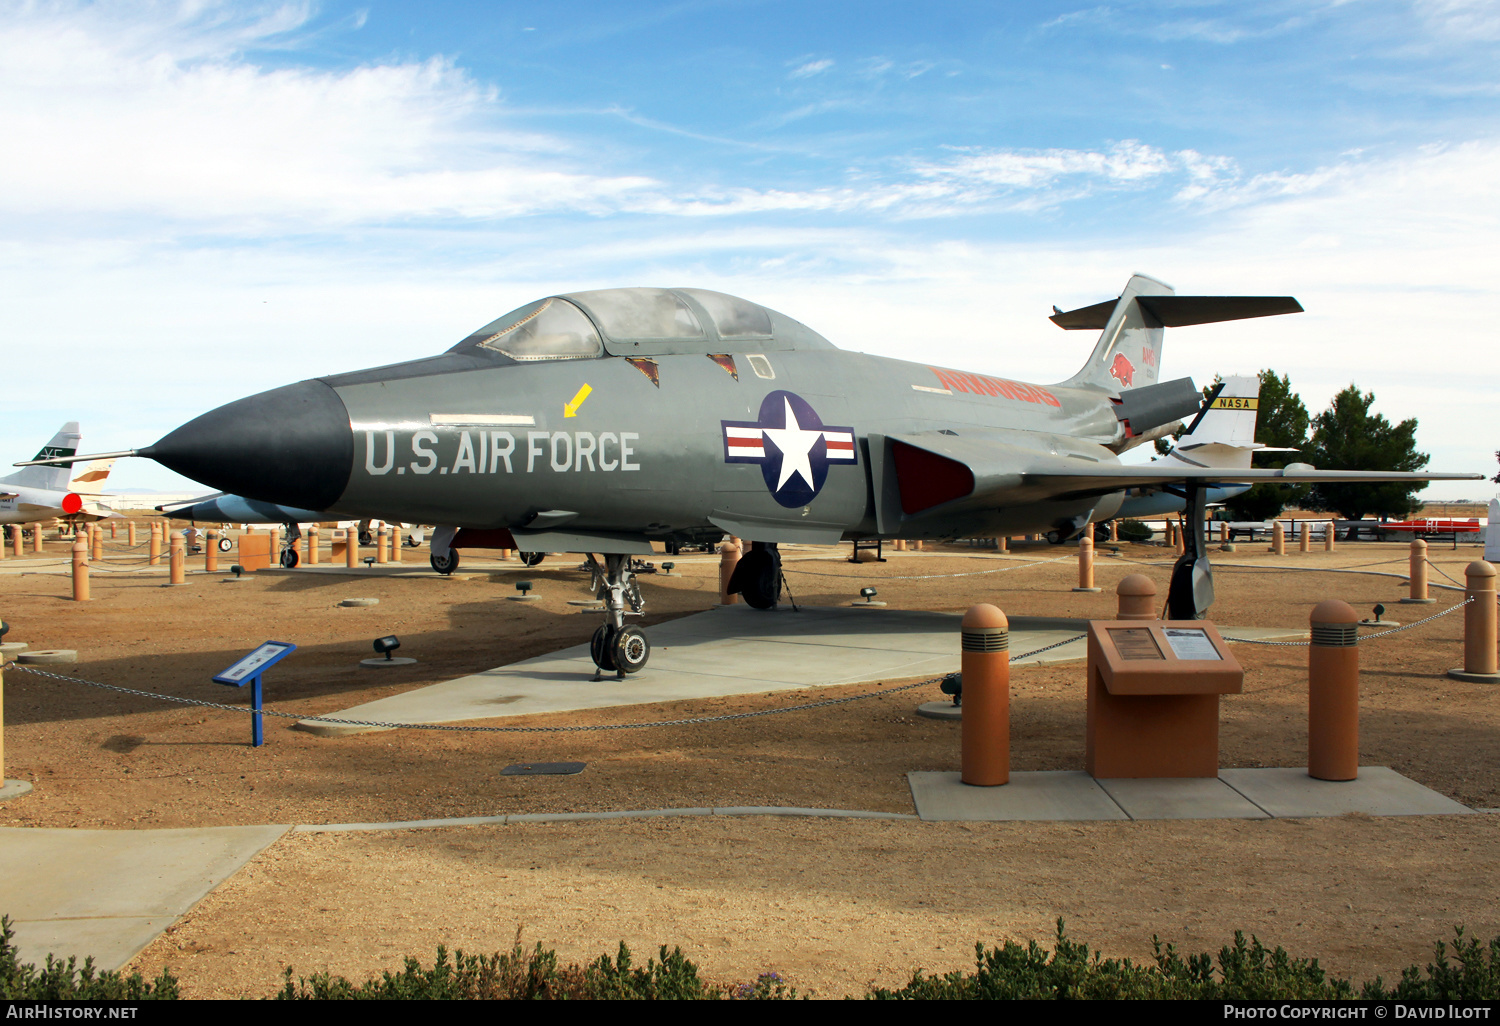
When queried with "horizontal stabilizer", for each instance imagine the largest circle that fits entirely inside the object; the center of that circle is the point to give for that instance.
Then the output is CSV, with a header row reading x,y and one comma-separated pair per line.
x,y
1181,311
1076,482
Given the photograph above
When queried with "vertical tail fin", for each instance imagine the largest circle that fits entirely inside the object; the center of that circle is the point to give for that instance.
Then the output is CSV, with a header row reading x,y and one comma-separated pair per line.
x,y
55,478
91,477
1128,353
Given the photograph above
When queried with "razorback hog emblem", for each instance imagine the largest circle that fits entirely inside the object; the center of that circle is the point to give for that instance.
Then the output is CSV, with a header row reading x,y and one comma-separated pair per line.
x,y
1122,369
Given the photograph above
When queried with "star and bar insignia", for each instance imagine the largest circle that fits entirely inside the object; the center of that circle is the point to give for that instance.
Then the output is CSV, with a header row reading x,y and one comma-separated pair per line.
x,y
792,445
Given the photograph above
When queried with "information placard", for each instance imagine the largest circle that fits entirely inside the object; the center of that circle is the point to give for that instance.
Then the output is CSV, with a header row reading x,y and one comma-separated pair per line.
x,y
255,663
1191,643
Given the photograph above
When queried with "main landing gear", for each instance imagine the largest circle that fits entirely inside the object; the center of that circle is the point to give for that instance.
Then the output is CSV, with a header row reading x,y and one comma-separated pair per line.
x,y
615,647
1191,591
289,557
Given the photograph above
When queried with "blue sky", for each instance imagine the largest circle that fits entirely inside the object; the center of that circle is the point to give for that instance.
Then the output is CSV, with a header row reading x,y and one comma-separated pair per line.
x,y
200,200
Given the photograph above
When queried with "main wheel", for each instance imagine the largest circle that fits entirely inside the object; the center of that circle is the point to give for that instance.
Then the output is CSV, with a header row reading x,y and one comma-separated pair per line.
x,y
444,564
289,558
631,650
531,558
757,577
225,544
602,647
1055,537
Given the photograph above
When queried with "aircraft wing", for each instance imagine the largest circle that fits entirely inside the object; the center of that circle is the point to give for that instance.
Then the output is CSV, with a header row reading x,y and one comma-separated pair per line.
x,y
1077,482
956,473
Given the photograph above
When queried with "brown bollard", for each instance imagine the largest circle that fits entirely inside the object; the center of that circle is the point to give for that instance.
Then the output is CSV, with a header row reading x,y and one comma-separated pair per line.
x,y
80,569
112,535
1086,561
96,534
382,536
211,552
130,533
1002,543
1333,692
1417,572
1181,538
15,540
1114,530
351,547
155,559
1481,657
36,537
1278,539
729,558
177,555
1137,598
1328,537
312,544
985,758
1304,539
395,543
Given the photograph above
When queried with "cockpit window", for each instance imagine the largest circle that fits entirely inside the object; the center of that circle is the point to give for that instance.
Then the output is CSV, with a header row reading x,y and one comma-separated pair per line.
x,y
732,317
641,314
552,329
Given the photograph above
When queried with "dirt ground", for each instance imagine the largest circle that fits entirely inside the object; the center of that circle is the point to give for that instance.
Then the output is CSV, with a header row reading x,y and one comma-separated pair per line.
x,y
831,904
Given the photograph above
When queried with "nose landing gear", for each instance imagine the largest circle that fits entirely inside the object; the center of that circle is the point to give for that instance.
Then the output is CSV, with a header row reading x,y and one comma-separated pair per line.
x,y
615,647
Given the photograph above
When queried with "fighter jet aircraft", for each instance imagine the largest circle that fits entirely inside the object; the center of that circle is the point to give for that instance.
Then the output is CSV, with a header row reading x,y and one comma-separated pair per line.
x,y
38,493
597,422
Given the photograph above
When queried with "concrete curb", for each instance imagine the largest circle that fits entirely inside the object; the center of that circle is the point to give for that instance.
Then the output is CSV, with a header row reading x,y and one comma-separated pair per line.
x,y
576,817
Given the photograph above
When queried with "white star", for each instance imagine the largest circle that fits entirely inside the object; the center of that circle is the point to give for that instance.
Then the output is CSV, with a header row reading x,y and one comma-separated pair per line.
x,y
795,445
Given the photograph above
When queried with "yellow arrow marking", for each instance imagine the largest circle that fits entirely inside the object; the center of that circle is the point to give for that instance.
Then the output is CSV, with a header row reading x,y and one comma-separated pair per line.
x,y
570,409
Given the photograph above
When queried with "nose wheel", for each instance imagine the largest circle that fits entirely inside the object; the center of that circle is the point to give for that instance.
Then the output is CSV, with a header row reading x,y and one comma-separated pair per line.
x,y
615,647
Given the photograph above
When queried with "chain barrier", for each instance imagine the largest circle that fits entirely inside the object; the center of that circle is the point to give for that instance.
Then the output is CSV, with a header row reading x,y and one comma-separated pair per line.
x,y
505,730
928,577
1366,637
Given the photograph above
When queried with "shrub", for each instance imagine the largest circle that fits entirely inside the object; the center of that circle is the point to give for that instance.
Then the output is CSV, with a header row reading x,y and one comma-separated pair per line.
x,y
1475,978
1134,531
66,981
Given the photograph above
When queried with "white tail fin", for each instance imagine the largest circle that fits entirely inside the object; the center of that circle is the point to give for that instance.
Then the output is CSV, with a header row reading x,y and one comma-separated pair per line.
x,y
91,477
55,478
1225,436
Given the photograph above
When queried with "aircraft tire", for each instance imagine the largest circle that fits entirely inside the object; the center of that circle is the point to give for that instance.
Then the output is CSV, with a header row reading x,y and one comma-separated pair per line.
x,y
757,577
444,565
1054,537
632,649
531,558
290,559
602,647
225,544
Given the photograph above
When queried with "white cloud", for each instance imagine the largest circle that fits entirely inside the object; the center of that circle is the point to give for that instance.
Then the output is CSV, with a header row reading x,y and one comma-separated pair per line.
x,y
810,68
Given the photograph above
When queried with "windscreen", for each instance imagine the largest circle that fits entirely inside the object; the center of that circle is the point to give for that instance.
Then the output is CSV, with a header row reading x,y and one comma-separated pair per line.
x,y
550,329
640,313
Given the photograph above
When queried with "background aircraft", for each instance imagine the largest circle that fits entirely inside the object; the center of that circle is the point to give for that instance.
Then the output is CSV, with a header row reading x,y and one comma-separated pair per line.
x,y
596,422
55,490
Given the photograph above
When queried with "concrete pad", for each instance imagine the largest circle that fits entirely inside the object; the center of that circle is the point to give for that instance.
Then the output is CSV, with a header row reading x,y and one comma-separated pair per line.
x,y
108,893
1180,798
727,650
1046,795
1378,791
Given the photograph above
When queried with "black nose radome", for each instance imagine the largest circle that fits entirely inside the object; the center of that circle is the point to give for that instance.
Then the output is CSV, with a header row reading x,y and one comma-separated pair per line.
x,y
291,445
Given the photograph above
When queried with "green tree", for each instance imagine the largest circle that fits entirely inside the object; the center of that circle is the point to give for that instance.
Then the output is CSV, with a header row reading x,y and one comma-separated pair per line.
x,y
1281,422
1347,436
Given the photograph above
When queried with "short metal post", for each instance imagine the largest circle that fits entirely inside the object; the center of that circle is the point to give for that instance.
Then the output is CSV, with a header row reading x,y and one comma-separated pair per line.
x,y
1137,598
1278,539
1333,692
1481,657
177,554
257,723
1086,561
729,557
1417,573
80,569
985,663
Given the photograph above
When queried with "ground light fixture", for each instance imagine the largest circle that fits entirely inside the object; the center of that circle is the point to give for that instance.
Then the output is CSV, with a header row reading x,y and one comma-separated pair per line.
x,y
386,645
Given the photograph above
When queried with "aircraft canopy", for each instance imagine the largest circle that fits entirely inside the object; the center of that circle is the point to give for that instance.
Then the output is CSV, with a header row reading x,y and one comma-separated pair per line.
x,y
577,326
